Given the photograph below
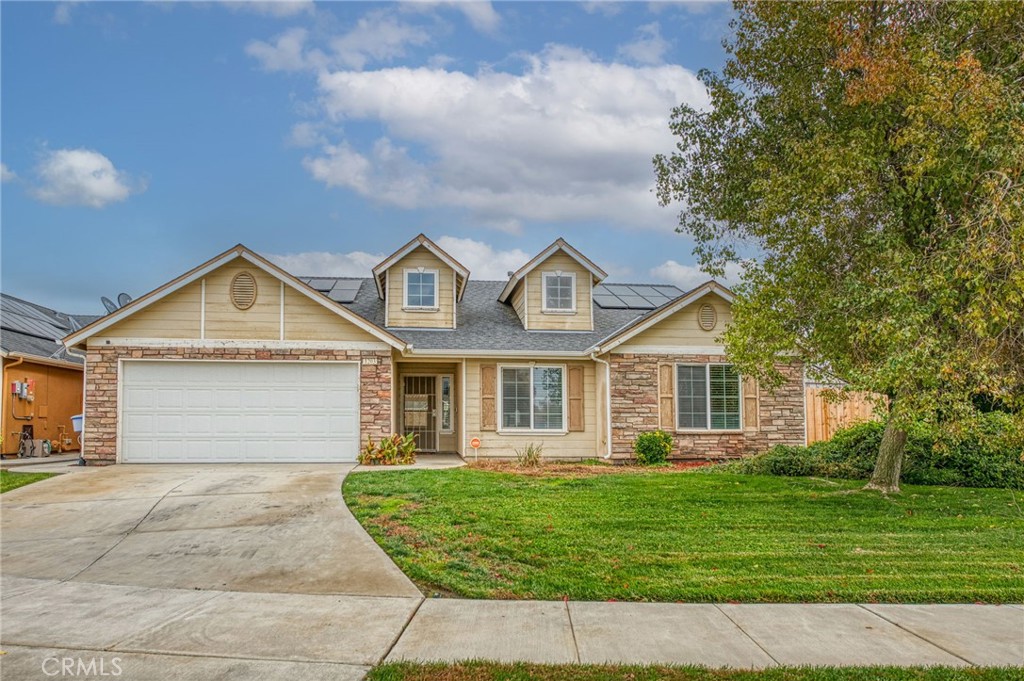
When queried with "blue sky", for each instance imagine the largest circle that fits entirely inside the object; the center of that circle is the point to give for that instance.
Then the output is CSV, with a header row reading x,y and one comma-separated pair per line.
x,y
139,139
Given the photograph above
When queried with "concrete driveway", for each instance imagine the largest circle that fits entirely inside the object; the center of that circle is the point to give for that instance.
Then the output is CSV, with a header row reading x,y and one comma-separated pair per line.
x,y
266,528
262,565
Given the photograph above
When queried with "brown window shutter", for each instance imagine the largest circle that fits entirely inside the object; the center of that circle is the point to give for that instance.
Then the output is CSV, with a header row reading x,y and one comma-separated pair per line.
x,y
666,396
576,399
751,411
488,392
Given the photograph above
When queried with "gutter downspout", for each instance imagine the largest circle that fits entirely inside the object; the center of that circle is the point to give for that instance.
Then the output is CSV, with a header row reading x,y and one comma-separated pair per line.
x,y
81,355
607,400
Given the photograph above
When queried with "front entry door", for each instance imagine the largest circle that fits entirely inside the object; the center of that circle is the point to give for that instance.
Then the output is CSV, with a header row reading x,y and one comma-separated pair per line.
x,y
419,411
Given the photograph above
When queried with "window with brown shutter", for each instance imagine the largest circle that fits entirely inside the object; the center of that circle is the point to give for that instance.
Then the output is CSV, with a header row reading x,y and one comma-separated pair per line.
x,y
666,397
488,392
576,399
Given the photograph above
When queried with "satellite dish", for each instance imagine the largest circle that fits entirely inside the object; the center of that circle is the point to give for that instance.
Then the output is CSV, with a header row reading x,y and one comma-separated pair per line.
x,y
109,304
123,299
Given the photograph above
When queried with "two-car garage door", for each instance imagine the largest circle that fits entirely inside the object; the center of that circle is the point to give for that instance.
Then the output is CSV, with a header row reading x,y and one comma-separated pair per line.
x,y
238,411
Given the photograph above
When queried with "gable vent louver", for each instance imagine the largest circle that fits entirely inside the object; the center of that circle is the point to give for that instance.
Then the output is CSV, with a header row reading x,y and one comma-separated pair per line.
x,y
707,317
243,291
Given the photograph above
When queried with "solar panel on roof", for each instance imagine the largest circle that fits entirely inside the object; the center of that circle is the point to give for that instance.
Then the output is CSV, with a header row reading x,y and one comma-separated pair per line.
x,y
341,296
609,302
322,285
346,285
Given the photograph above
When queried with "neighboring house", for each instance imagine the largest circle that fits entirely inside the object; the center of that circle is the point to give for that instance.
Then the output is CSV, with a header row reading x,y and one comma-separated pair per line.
x,y
31,353
239,360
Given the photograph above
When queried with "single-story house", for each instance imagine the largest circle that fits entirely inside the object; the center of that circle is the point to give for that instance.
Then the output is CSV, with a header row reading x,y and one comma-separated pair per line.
x,y
42,380
238,360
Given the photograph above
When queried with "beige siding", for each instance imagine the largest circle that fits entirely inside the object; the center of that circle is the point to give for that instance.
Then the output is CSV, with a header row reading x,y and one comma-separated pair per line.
x,y
519,302
581,320
682,329
579,445
444,316
262,321
176,316
306,319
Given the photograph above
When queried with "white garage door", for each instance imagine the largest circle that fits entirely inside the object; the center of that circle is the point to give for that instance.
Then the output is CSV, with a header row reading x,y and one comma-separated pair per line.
x,y
221,412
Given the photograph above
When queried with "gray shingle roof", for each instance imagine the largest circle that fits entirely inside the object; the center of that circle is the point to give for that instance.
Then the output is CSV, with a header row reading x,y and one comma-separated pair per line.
x,y
34,330
485,324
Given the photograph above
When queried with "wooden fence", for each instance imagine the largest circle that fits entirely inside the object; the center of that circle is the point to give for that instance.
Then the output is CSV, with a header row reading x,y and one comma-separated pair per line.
x,y
824,418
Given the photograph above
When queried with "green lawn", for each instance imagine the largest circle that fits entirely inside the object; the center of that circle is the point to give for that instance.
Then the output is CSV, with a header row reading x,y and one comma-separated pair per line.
x,y
9,480
692,537
485,671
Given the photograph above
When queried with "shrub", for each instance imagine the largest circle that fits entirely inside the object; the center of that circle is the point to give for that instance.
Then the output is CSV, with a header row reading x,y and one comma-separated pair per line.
x,y
390,451
530,455
652,447
986,458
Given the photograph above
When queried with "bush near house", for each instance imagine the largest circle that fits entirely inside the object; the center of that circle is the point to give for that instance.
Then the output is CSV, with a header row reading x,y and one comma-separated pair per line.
x,y
652,447
390,451
983,459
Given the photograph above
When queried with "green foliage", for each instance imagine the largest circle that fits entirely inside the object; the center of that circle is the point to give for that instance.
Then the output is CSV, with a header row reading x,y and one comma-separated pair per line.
x,y
522,671
652,447
390,451
651,535
9,480
871,157
530,455
984,459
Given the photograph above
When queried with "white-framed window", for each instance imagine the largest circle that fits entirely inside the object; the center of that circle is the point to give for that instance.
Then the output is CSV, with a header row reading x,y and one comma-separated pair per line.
x,y
708,397
446,404
558,291
421,289
532,397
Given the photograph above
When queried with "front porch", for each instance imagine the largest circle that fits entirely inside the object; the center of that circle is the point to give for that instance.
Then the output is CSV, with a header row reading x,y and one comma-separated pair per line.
x,y
427,404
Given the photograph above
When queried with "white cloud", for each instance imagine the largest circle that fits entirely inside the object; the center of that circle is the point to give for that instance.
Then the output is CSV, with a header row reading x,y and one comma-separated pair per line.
x,y
272,8
607,8
568,138
82,177
62,13
377,36
687,277
648,47
6,174
286,53
480,13
306,134
484,263
326,264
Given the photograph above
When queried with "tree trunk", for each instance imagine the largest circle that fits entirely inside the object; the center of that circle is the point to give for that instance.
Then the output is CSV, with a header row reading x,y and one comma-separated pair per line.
x,y
886,477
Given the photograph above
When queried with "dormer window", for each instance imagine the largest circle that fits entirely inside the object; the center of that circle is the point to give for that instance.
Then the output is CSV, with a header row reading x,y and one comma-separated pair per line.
x,y
559,292
421,289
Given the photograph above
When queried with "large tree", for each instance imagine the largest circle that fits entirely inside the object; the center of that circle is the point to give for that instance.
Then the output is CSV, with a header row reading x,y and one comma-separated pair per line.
x,y
864,161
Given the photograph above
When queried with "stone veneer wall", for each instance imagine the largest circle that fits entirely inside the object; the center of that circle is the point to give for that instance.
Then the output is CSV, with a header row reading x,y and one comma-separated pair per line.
x,y
634,401
100,438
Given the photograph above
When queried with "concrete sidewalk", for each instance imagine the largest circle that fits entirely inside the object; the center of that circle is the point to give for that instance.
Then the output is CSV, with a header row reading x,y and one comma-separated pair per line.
x,y
198,634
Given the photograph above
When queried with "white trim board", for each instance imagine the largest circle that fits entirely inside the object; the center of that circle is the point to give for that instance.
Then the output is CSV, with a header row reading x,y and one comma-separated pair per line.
x,y
675,350
200,343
